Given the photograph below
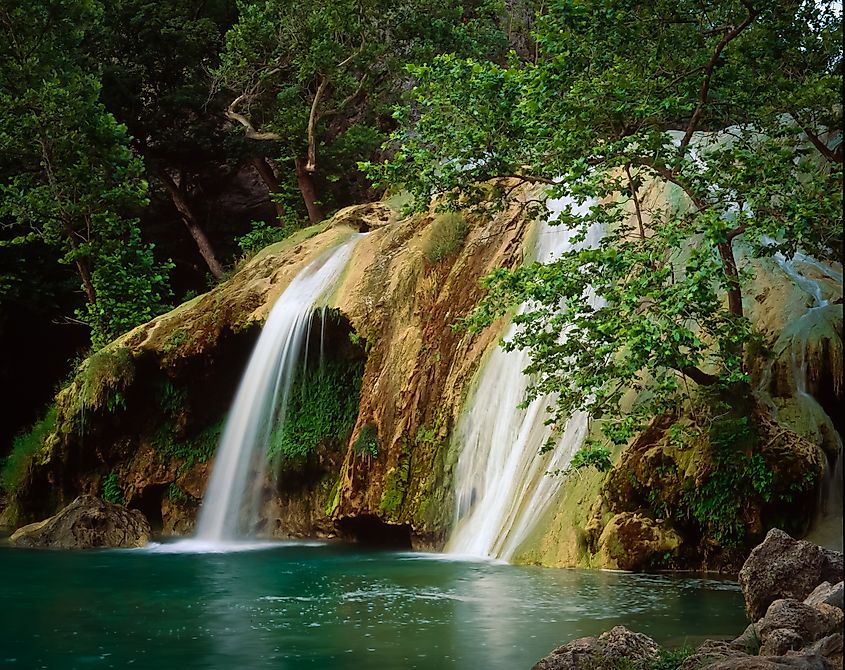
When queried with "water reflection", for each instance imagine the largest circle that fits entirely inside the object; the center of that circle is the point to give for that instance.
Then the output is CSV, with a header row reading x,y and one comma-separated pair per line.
x,y
302,608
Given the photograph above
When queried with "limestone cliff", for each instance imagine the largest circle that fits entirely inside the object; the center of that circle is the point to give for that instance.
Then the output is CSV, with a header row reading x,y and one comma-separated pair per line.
x,y
140,420
143,414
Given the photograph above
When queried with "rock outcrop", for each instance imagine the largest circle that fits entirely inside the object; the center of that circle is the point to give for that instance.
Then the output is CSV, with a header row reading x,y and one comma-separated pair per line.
x,y
616,646
630,541
146,411
790,634
88,522
782,567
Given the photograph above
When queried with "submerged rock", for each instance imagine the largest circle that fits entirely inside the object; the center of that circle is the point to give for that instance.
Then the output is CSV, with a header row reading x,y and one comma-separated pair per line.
x,y
86,523
616,646
782,567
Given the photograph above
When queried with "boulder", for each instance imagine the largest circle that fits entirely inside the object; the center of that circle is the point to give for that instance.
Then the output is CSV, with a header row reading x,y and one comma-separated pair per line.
x,y
827,594
808,623
782,567
580,654
618,645
716,655
630,541
86,523
831,648
711,653
801,661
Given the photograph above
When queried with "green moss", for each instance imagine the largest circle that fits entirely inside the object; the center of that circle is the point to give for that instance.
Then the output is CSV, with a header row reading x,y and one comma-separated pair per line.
x,y
332,500
322,408
396,485
24,447
175,340
196,449
178,495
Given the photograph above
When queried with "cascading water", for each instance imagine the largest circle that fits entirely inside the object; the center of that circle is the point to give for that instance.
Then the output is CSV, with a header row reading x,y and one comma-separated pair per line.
x,y
827,525
501,482
230,504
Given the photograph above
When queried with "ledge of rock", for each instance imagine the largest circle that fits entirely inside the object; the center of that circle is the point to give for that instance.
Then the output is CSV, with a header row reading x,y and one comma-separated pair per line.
x,y
782,567
86,523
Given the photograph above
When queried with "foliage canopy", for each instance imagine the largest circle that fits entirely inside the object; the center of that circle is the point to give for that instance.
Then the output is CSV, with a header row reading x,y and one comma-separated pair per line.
x,y
732,108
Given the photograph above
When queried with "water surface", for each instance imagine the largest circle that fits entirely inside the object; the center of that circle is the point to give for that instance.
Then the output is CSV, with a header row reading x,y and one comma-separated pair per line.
x,y
291,607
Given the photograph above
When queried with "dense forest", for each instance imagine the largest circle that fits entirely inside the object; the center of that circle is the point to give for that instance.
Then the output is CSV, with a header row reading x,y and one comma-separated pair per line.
x,y
148,147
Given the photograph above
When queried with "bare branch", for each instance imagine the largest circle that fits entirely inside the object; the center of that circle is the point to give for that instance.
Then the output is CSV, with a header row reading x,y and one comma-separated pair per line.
x,y
251,132
311,163
824,150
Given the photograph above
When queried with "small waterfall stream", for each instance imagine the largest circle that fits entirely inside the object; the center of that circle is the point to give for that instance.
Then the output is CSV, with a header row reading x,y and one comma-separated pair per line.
x,y
501,484
230,504
826,529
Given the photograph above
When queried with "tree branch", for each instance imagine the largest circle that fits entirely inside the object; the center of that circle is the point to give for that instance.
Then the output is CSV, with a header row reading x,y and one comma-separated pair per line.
x,y
698,376
824,150
708,73
311,162
530,178
251,132
633,188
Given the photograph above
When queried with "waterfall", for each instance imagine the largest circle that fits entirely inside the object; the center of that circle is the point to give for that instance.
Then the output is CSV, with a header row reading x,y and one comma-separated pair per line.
x,y
230,505
501,484
826,528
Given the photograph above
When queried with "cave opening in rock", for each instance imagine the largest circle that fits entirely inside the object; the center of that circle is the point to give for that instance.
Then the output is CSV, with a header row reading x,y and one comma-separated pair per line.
x,y
148,502
371,531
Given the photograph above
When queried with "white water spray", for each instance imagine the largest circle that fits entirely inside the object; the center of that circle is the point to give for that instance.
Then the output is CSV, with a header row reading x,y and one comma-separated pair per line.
x,y
501,483
230,504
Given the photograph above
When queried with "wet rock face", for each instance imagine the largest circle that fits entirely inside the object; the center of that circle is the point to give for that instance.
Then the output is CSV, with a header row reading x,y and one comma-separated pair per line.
x,y
86,523
607,650
782,567
629,541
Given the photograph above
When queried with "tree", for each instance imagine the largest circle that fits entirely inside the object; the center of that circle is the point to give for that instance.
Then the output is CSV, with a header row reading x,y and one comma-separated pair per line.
x,y
317,75
68,178
156,58
732,105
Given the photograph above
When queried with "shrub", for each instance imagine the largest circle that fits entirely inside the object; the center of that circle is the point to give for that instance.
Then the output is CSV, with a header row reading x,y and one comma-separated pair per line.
x,y
591,455
322,407
367,441
447,235
112,492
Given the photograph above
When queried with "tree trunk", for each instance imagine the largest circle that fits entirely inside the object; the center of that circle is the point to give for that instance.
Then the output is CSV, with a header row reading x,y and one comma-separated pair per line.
x,y
265,171
83,269
309,192
193,226
732,275
87,282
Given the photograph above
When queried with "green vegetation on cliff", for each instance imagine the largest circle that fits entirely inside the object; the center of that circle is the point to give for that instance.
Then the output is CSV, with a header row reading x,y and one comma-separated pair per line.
x,y
322,406
624,102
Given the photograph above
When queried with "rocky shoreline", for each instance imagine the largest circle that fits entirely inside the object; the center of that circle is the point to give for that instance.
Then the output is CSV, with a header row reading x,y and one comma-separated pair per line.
x,y
793,595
